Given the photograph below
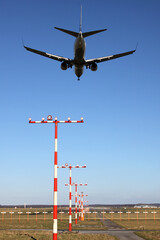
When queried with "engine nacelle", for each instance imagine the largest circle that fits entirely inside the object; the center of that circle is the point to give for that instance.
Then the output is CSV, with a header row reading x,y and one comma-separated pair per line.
x,y
64,66
94,67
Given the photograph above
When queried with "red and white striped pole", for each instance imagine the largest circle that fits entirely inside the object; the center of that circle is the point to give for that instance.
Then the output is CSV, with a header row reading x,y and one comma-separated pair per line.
x,y
49,120
81,184
76,199
55,226
70,190
75,203
79,207
82,215
70,201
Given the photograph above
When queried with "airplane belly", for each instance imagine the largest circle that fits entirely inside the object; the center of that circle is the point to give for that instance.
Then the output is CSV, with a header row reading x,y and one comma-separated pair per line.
x,y
79,53
78,71
79,49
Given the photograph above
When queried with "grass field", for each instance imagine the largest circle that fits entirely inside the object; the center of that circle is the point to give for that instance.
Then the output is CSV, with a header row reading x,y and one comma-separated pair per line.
x,y
24,235
28,219
43,221
136,219
149,235
139,225
48,224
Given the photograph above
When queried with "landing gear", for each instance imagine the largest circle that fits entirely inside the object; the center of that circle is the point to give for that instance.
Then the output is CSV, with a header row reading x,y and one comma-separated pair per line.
x,y
78,79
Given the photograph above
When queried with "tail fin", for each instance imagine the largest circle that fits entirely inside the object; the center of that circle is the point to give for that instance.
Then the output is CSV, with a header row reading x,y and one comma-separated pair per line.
x,y
80,26
74,34
86,34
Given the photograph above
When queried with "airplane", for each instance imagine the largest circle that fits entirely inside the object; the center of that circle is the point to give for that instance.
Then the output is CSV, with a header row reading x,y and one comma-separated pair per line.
x,y
79,60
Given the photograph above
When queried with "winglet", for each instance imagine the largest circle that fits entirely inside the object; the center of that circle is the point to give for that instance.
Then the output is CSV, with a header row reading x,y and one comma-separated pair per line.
x,y
23,42
136,46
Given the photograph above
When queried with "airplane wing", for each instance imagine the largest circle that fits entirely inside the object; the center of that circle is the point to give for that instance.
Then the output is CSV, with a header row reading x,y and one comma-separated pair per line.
x,y
103,59
55,57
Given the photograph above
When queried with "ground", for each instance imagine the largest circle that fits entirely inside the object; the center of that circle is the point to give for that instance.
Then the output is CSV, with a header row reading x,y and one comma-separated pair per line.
x,y
38,224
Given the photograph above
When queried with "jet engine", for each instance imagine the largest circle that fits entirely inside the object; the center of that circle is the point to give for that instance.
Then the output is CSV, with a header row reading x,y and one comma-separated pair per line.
x,y
94,67
64,66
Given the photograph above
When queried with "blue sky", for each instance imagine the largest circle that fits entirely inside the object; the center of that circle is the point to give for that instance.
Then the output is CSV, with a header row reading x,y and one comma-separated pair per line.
x,y
120,102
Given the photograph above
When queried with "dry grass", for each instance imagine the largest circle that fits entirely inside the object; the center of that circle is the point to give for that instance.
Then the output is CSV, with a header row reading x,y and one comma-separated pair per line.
x,y
43,221
23,235
149,235
140,224
48,224
44,235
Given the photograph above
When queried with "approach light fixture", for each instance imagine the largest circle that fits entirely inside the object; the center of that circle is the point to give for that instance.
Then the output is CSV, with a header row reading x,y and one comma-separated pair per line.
x,y
49,118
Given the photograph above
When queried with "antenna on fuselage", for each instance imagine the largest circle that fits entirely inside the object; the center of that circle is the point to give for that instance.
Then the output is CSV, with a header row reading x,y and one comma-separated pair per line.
x,y
80,26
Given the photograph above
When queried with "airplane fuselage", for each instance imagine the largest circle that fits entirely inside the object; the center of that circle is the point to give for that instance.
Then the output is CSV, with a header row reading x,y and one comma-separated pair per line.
x,y
79,54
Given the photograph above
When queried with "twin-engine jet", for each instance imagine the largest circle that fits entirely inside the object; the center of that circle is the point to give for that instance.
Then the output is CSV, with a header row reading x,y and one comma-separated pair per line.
x,y
79,61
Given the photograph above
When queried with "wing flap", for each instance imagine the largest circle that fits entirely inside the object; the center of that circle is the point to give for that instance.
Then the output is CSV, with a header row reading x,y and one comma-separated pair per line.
x,y
103,59
55,57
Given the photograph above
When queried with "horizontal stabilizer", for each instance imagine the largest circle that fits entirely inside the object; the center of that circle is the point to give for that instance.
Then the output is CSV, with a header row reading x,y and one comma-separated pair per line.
x,y
74,34
86,34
